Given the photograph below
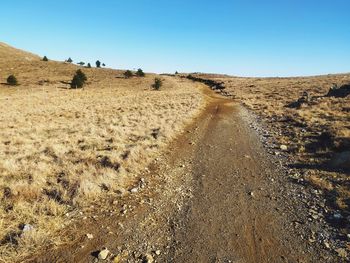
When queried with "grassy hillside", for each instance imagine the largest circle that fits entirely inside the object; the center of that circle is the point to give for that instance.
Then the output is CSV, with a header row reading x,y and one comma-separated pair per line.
x,y
62,150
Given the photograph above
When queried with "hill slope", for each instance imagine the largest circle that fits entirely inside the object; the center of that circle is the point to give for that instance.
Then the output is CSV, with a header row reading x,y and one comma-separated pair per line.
x,y
11,54
63,150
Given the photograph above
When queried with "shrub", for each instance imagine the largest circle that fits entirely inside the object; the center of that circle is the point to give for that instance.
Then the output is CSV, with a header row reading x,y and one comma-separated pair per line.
x,y
176,72
88,65
103,64
78,80
11,80
69,60
81,63
157,84
81,75
98,64
45,58
128,74
140,73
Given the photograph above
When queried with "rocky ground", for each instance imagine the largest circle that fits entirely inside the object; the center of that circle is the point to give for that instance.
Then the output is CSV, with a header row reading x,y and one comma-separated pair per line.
x,y
320,222
221,193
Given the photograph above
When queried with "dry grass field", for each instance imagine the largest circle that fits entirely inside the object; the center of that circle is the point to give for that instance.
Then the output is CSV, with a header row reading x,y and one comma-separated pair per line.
x,y
62,149
316,132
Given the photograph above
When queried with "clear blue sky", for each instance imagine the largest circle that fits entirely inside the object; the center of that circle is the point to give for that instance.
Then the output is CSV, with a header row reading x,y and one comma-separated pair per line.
x,y
247,38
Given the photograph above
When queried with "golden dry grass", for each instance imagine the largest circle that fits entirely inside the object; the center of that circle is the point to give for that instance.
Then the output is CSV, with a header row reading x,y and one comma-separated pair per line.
x,y
62,149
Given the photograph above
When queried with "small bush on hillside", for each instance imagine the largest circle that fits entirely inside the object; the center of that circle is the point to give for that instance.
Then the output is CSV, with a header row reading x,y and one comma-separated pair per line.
x,y
88,65
69,60
140,73
176,72
81,75
98,64
78,80
76,83
45,58
81,63
128,74
157,84
12,81
103,64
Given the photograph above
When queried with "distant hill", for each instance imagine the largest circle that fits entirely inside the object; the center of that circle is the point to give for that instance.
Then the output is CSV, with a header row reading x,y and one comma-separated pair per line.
x,y
9,53
31,71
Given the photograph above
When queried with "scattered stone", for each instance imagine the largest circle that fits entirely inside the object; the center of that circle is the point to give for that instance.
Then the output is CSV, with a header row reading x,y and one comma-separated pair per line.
x,y
89,236
252,194
103,254
134,190
326,244
148,258
312,240
341,252
158,252
284,147
117,259
27,227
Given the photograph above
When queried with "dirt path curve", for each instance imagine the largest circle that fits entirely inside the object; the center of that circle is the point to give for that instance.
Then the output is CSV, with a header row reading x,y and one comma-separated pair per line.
x,y
214,196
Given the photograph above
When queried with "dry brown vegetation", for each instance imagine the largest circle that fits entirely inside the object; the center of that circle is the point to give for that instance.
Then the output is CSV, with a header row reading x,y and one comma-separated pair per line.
x,y
315,128
63,149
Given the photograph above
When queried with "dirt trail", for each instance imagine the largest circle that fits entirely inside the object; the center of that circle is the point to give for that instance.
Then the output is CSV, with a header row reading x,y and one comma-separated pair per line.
x,y
231,217
215,196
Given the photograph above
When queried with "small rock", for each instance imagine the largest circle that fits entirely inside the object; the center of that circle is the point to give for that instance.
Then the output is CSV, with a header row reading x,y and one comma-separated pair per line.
x,y
284,147
326,244
27,227
312,240
341,252
158,252
103,254
148,258
89,236
134,190
251,194
117,259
